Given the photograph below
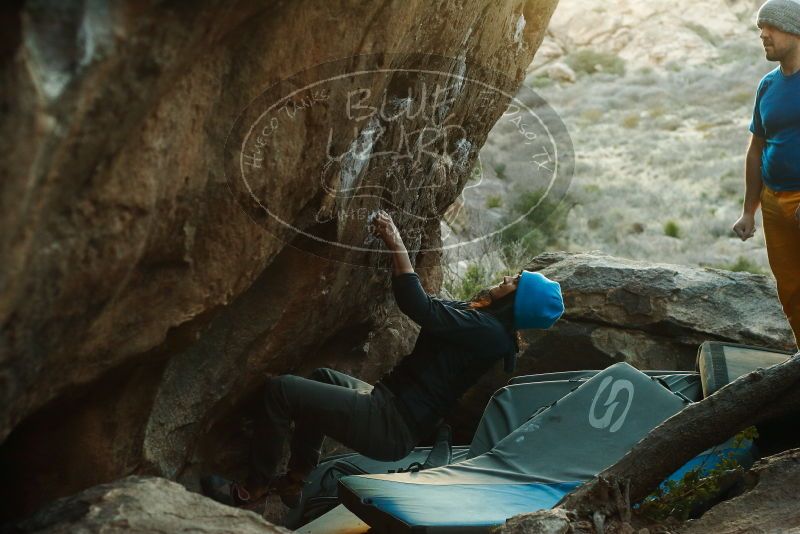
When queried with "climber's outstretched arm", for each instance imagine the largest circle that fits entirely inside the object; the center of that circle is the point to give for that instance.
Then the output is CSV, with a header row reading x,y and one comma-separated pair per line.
x,y
401,262
385,229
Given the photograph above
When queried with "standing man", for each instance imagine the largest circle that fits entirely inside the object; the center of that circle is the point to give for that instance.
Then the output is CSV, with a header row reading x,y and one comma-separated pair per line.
x,y
772,169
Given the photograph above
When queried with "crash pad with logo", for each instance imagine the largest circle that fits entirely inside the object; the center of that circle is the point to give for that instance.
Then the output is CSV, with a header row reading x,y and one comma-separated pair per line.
x,y
511,405
531,468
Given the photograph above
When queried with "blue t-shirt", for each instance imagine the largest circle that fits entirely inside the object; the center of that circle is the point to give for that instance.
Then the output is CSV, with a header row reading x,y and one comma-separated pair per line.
x,y
776,118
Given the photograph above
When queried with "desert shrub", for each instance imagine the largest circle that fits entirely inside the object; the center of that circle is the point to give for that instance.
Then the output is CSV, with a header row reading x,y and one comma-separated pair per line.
x,y
543,223
593,223
637,228
475,278
494,201
541,81
741,265
679,498
591,189
704,126
630,121
741,98
703,32
591,114
656,111
670,124
671,229
500,170
588,61
513,255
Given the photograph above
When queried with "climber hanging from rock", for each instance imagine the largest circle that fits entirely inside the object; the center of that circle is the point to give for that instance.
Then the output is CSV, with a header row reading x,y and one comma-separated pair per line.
x,y
458,343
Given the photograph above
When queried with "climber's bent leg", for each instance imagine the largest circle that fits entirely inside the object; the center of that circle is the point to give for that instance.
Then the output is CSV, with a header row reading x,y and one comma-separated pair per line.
x,y
360,417
307,440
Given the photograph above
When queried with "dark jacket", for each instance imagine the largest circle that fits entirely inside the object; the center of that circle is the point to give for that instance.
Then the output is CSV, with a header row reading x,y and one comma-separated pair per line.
x,y
455,347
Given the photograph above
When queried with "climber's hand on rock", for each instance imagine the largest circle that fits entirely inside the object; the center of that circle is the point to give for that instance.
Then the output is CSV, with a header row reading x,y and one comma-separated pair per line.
x,y
384,228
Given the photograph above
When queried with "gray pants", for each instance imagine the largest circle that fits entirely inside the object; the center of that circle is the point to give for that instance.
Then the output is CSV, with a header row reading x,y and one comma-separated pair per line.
x,y
329,403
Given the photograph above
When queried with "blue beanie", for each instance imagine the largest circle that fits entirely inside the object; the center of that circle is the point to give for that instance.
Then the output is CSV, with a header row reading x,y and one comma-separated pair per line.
x,y
538,302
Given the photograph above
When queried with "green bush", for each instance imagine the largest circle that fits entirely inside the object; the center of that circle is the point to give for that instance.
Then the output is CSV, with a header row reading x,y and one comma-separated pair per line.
x,y
500,170
671,124
592,114
743,97
591,189
703,32
672,229
542,225
494,201
630,121
475,278
591,61
679,498
741,265
541,81
704,126
656,111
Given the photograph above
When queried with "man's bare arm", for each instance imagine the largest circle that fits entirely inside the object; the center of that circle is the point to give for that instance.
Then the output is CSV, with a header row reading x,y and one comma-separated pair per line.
x,y
752,175
745,227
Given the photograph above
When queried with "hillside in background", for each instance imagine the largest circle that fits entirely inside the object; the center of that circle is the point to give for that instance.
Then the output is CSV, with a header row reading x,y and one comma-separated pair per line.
x,y
657,100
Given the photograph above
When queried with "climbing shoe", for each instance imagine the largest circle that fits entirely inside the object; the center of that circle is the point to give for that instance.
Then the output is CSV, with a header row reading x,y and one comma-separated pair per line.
x,y
225,491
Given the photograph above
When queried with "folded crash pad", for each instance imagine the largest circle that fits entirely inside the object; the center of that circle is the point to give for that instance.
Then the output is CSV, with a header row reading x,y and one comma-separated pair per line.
x,y
511,405
722,363
577,375
531,468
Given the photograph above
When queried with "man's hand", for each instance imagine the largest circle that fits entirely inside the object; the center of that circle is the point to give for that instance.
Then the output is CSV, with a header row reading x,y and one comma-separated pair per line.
x,y
384,228
745,227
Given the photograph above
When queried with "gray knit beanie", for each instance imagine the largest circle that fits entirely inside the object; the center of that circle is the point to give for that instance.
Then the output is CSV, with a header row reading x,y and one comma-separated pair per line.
x,y
783,14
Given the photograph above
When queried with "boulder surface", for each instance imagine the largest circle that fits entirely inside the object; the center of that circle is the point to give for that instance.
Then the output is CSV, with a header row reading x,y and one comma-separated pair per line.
x,y
142,504
142,305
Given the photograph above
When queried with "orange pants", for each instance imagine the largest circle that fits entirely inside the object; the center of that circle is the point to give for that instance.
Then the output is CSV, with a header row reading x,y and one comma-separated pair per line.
x,y
782,234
